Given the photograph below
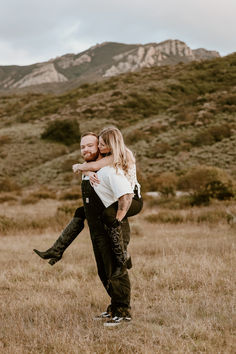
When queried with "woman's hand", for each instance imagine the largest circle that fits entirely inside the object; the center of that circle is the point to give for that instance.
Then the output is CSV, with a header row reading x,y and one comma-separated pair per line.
x,y
93,178
77,167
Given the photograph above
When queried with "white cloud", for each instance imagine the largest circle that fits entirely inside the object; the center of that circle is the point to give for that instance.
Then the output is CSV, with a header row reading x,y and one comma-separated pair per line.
x,y
33,31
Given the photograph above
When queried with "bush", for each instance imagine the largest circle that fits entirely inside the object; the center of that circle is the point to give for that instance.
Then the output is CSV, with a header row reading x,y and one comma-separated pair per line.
x,y
161,148
207,183
219,190
220,132
200,198
63,131
199,176
212,135
134,136
166,183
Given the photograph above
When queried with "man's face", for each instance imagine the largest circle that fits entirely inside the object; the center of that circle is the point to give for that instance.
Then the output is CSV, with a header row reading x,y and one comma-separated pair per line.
x,y
89,148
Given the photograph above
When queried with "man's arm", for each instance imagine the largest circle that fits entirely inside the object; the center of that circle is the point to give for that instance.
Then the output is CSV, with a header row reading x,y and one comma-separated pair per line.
x,y
124,203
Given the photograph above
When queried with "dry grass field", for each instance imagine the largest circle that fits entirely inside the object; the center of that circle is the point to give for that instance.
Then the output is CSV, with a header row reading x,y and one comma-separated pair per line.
x,y
183,288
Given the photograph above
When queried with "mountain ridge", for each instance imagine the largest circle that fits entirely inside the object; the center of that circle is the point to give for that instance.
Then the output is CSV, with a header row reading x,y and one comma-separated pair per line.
x,y
98,63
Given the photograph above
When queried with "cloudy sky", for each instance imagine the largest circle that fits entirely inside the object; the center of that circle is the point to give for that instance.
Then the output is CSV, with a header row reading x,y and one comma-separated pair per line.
x,y
37,30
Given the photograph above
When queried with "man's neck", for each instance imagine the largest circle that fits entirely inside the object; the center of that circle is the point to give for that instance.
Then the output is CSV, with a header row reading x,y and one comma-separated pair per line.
x,y
100,156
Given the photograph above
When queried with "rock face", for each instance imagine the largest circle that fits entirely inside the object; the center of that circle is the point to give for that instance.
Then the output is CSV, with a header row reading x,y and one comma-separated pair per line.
x,y
156,54
45,73
69,60
100,61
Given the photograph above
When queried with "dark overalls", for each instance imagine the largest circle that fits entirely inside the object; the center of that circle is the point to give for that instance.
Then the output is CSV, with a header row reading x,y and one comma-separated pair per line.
x,y
118,289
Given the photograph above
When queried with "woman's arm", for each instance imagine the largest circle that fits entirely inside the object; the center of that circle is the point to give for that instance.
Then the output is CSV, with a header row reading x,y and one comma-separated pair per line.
x,y
124,203
95,165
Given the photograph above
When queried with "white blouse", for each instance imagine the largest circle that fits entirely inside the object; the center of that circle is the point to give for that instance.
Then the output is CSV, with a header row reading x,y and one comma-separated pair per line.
x,y
131,175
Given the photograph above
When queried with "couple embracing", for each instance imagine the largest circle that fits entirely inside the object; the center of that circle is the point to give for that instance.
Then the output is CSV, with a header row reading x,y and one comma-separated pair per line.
x,y
111,193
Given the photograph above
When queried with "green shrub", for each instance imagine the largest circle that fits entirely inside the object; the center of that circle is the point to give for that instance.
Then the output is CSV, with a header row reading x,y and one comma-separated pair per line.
x,y
161,148
199,176
134,136
212,135
63,131
185,116
219,190
200,198
203,138
207,183
220,132
166,183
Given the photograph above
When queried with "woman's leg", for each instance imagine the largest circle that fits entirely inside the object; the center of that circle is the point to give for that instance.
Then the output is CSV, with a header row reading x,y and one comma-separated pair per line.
x,y
135,207
109,214
70,232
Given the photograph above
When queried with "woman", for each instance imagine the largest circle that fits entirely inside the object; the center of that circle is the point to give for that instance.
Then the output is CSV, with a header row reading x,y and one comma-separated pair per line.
x,y
113,152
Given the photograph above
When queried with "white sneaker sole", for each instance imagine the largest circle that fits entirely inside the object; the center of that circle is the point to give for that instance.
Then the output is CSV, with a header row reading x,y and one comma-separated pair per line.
x,y
119,321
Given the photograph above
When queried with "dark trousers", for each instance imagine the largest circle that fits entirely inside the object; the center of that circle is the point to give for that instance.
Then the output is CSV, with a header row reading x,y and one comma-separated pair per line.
x,y
118,289
109,215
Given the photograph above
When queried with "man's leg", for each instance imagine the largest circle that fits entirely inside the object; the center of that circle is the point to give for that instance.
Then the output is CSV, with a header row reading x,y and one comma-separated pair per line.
x,y
118,289
119,234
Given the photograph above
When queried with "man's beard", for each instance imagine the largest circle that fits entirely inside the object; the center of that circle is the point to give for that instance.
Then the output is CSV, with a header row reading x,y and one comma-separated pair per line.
x,y
91,156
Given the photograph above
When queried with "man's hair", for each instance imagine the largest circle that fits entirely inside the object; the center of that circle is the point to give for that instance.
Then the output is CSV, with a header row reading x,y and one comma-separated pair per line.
x,y
89,133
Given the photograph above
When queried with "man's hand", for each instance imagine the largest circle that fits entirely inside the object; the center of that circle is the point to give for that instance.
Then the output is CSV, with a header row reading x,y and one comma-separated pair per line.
x,y
124,203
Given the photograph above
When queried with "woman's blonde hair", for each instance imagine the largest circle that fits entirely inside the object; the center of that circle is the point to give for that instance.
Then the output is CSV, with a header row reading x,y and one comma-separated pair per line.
x,y
123,157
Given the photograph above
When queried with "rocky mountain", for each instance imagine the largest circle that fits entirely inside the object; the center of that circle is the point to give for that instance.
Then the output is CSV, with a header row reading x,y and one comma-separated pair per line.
x,y
99,62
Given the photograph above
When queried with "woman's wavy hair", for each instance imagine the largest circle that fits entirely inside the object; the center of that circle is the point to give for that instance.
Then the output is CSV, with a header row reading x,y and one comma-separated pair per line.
x,y
123,157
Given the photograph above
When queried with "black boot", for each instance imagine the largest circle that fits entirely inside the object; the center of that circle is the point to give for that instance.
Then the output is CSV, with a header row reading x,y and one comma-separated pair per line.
x,y
115,234
71,231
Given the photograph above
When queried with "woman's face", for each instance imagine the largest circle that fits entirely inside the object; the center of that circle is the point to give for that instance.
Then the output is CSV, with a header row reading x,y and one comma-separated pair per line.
x,y
103,148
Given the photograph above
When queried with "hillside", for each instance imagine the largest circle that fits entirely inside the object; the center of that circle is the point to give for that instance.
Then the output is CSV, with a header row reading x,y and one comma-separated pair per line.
x,y
173,117
95,64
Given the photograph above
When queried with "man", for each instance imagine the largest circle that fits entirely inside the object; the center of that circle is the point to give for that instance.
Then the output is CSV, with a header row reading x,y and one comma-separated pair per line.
x,y
118,289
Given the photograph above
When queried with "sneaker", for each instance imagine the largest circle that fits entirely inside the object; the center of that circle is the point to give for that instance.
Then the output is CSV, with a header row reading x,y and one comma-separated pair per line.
x,y
103,316
116,321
